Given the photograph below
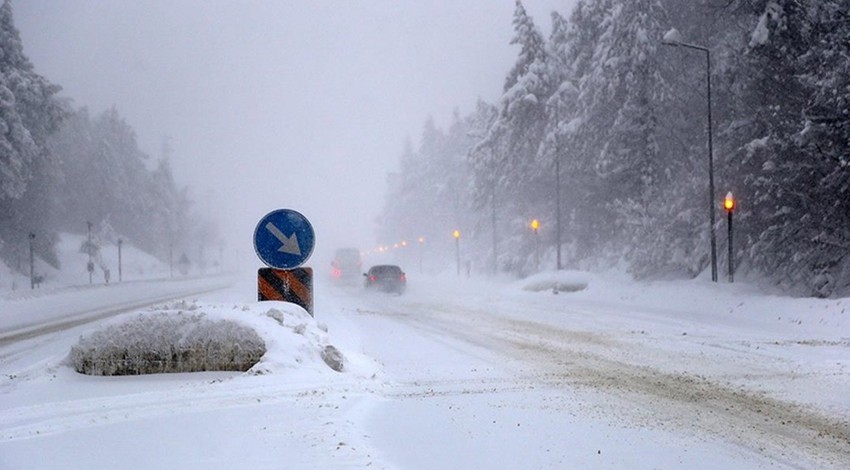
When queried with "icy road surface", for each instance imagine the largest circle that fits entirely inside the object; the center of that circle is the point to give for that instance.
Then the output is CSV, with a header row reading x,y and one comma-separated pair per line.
x,y
462,374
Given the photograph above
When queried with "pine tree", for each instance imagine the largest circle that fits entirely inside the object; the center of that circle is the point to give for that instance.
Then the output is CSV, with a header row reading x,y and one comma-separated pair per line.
x,y
588,127
780,231
562,118
484,168
29,112
514,138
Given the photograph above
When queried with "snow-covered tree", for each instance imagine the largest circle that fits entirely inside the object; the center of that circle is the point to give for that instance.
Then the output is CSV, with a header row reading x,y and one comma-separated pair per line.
x,y
514,138
627,119
797,154
29,112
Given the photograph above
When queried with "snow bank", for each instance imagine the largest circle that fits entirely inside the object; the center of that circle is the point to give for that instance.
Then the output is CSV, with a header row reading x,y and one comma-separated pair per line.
x,y
193,337
173,340
557,281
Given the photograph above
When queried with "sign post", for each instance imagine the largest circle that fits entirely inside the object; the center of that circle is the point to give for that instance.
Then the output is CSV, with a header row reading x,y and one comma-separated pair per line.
x,y
284,240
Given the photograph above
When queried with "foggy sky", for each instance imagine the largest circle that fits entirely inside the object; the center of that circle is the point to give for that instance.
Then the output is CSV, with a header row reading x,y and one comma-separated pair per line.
x,y
296,104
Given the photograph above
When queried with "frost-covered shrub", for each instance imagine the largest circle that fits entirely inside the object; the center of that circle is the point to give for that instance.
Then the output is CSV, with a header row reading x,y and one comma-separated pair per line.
x,y
163,342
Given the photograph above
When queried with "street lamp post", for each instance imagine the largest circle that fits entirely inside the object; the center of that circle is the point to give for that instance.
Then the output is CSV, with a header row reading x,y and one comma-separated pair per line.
x,y
456,234
729,205
32,262
535,228
120,242
220,259
90,265
674,38
557,187
493,184
495,234
421,246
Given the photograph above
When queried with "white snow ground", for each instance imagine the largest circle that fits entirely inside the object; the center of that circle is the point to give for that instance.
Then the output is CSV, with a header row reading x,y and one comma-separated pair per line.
x,y
457,373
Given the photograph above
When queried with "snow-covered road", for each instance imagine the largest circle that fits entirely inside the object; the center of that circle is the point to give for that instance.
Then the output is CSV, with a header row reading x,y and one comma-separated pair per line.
x,y
458,373
747,382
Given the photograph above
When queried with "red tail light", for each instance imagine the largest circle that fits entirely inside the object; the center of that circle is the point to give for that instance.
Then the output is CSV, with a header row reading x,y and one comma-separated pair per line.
x,y
403,278
373,278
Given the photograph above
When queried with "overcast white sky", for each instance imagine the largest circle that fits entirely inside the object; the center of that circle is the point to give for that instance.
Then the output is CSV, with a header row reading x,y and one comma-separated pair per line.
x,y
296,104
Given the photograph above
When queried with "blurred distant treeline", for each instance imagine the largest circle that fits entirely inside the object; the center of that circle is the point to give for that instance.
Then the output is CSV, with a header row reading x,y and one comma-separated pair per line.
x,y
627,115
61,168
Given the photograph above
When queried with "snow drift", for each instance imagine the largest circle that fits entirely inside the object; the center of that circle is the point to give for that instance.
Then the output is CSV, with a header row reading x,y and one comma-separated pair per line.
x,y
193,337
168,341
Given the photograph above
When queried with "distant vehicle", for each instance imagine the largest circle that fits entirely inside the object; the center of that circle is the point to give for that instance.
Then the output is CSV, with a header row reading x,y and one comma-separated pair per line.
x,y
346,264
386,278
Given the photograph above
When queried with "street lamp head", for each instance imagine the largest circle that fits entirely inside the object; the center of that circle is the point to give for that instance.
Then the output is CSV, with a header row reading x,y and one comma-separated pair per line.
x,y
729,202
535,224
672,38
456,234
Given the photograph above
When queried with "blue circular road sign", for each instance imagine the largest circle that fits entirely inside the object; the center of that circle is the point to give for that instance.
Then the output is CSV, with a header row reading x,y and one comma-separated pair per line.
x,y
284,239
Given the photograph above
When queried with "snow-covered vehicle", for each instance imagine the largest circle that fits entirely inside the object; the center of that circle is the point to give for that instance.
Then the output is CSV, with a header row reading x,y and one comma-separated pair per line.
x,y
346,264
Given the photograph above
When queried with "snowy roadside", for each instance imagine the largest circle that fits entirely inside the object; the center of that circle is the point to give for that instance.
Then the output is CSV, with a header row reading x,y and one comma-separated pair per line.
x,y
20,315
48,408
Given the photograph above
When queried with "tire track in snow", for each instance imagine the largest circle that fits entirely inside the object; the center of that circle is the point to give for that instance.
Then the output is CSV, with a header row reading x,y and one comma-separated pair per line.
x,y
789,433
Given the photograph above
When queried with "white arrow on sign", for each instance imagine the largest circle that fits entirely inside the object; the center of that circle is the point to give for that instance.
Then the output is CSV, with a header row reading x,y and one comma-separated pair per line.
x,y
288,244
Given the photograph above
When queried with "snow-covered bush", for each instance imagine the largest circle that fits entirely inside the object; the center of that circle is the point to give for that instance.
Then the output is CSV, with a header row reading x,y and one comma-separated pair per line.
x,y
170,341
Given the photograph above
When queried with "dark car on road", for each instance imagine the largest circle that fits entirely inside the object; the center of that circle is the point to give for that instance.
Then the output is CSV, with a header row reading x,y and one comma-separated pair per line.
x,y
386,278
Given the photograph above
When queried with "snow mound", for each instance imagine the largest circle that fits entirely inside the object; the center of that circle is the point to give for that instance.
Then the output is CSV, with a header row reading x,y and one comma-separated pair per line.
x,y
258,338
168,341
557,281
